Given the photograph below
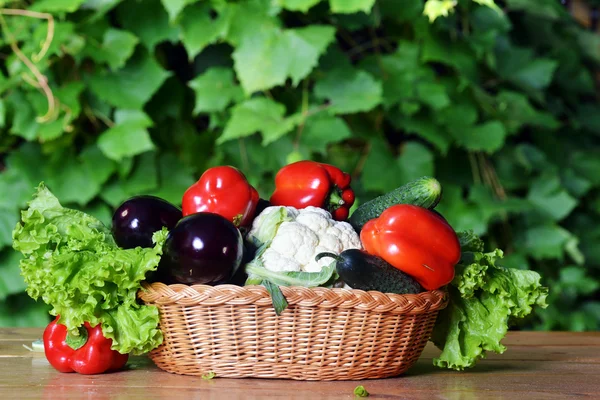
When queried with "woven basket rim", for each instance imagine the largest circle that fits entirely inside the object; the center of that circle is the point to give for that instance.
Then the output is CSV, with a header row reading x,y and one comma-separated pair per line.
x,y
190,295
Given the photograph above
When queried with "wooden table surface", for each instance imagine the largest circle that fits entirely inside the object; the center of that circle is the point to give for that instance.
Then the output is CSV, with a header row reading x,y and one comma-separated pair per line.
x,y
537,365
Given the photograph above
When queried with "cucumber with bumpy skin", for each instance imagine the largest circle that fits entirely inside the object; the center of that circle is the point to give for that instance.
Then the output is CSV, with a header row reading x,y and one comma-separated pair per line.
x,y
424,192
364,271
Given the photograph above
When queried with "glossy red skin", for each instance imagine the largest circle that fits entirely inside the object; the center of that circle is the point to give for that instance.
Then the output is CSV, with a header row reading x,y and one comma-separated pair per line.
x,y
416,241
222,190
309,183
94,357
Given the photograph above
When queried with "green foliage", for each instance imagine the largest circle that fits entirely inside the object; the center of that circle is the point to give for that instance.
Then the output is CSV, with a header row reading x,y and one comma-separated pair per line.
x,y
499,104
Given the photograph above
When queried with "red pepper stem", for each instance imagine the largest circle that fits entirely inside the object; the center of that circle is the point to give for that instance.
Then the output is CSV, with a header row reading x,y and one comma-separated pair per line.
x,y
335,199
77,339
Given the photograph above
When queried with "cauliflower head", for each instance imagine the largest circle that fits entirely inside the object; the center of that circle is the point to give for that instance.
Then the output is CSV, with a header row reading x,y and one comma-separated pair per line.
x,y
294,237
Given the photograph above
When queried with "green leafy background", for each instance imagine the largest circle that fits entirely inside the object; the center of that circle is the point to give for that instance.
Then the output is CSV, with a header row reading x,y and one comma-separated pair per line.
x,y
499,103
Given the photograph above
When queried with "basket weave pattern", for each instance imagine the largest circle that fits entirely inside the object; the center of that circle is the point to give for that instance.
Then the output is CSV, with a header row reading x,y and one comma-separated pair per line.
x,y
325,334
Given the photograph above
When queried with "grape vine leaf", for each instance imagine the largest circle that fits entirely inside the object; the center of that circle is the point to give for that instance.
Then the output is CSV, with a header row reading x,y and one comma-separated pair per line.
x,y
8,220
515,110
243,20
438,8
132,86
268,57
142,179
144,175
547,194
543,8
545,241
77,178
149,21
57,5
174,7
522,67
351,6
414,160
297,5
537,74
321,130
398,72
11,281
410,10
24,122
349,90
128,136
22,310
2,113
424,127
433,94
68,94
67,179
199,28
117,46
586,164
488,136
461,214
22,173
258,114
96,165
174,178
100,7
215,89
489,3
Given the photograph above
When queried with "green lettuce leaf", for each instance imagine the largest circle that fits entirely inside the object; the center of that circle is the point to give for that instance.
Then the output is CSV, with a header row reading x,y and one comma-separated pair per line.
x,y
470,242
484,299
72,263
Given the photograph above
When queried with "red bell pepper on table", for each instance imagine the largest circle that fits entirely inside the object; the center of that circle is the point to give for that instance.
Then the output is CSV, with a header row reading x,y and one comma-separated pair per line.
x,y
309,183
222,190
415,240
88,353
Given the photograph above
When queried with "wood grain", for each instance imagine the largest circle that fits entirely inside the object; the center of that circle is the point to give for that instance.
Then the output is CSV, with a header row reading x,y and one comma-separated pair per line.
x,y
537,365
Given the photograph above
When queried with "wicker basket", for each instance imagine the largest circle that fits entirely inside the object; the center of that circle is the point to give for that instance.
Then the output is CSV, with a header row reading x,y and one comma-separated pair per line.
x,y
325,334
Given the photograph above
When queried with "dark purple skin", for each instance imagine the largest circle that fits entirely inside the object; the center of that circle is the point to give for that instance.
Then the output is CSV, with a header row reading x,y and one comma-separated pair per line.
x,y
203,248
135,220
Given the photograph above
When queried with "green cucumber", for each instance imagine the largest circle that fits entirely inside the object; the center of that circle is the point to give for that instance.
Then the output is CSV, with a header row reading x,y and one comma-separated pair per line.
x,y
424,192
364,271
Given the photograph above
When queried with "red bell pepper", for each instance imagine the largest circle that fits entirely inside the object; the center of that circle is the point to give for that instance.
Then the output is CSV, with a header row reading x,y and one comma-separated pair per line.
x,y
415,240
88,353
222,190
309,183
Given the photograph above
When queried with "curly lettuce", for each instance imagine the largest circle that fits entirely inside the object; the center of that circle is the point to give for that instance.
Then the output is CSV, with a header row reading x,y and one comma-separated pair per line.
x,y
484,299
72,263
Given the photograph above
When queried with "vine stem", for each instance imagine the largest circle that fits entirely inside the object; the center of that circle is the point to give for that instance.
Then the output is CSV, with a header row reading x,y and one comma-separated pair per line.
x,y
41,78
304,114
362,160
244,154
38,15
474,169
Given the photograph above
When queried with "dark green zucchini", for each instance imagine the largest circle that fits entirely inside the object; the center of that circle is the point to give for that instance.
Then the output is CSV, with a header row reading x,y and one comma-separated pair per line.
x,y
424,192
364,271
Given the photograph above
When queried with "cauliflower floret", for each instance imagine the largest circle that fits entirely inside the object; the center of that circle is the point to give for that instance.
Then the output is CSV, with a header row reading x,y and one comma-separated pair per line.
x,y
295,241
317,219
297,236
275,261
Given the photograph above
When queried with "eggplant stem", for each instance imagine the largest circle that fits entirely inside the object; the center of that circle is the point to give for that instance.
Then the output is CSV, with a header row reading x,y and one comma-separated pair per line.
x,y
325,254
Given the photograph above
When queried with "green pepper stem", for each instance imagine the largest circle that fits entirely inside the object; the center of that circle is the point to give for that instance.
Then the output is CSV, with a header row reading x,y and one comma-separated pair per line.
x,y
325,254
335,199
77,339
